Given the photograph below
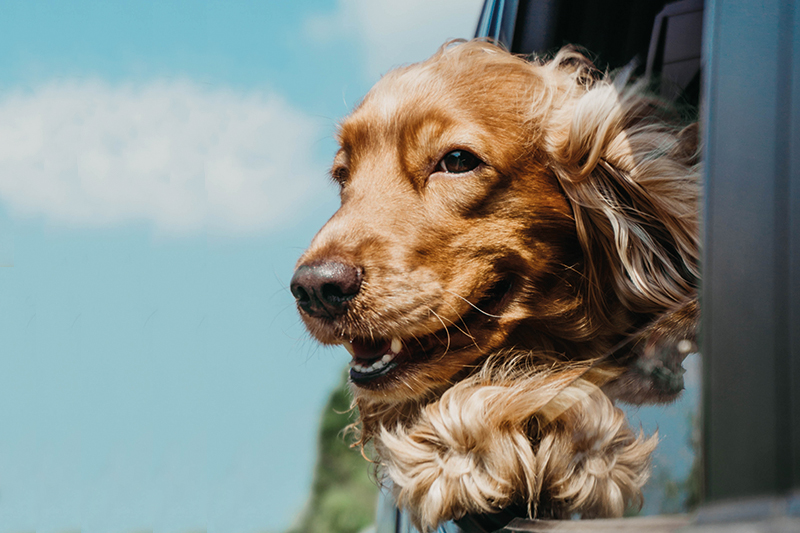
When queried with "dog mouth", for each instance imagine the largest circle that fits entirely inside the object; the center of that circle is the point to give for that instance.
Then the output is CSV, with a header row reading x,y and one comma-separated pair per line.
x,y
375,360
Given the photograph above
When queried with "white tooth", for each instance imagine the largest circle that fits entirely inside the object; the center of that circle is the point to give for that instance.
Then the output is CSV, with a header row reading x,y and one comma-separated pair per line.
x,y
349,347
386,358
396,345
352,364
376,366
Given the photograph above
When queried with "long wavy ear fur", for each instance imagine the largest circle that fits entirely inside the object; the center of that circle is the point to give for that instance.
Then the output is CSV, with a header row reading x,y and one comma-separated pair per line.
x,y
632,180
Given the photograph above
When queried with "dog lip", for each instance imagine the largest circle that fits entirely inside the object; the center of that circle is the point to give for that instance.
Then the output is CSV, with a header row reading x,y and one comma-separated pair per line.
x,y
365,377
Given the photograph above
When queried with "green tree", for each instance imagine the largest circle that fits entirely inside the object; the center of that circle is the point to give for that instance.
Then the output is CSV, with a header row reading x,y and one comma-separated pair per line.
x,y
343,493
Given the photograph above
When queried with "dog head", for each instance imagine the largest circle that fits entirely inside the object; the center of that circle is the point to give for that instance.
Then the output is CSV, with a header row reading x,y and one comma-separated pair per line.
x,y
491,203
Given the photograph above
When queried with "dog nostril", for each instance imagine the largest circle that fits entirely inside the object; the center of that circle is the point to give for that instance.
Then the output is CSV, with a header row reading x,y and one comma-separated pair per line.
x,y
323,289
300,294
334,293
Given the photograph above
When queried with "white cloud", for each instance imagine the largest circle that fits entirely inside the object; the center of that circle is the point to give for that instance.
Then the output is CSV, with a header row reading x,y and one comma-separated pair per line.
x,y
173,153
394,33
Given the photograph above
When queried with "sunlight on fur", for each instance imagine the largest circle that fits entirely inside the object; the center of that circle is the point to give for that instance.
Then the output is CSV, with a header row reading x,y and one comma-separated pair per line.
x,y
516,250
471,450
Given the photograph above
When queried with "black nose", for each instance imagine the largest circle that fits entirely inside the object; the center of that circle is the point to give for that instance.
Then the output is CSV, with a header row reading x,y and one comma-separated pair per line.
x,y
323,289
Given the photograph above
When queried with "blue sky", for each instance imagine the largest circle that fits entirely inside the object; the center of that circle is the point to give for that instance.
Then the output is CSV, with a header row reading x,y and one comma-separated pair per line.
x,y
162,166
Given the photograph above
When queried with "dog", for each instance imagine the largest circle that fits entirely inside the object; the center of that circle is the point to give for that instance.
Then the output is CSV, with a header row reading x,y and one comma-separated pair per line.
x,y
515,251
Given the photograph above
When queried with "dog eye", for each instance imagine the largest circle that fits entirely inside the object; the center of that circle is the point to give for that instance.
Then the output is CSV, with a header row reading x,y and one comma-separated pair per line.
x,y
458,162
340,174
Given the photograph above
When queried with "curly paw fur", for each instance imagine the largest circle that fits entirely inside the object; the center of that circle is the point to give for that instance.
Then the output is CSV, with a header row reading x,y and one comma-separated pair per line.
x,y
482,447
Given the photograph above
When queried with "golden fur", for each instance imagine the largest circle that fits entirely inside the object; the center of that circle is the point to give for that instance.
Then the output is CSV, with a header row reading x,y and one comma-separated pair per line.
x,y
509,285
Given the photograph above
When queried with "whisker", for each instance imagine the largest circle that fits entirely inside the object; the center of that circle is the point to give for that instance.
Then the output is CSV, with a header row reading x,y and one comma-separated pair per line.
x,y
418,341
473,305
468,333
463,323
465,331
447,349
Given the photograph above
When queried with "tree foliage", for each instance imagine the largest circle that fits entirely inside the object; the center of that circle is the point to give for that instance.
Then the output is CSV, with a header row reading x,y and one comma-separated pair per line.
x,y
343,493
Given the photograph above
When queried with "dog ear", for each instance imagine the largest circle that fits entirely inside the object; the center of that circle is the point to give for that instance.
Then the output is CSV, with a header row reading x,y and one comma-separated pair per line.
x,y
632,181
